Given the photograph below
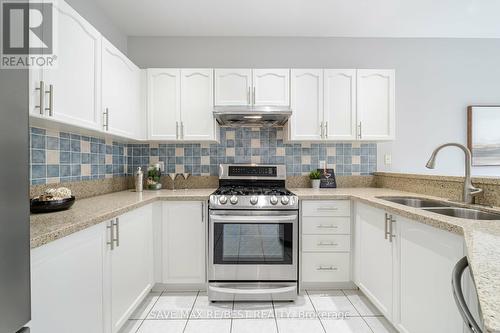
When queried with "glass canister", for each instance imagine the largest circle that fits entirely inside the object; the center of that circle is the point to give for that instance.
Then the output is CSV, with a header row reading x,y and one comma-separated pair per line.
x,y
153,181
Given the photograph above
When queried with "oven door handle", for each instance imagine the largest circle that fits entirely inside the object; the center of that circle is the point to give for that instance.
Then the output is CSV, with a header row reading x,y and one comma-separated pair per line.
x,y
226,218
237,291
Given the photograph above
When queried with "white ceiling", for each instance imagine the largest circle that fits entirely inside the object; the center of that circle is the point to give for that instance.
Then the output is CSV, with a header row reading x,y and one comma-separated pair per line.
x,y
320,18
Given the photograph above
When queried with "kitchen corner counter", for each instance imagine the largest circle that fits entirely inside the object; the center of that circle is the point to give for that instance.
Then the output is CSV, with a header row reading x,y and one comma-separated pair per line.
x,y
482,238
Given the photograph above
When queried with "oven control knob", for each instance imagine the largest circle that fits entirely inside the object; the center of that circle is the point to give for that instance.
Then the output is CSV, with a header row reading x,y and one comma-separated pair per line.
x,y
273,200
254,199
223,199
285,200
233,200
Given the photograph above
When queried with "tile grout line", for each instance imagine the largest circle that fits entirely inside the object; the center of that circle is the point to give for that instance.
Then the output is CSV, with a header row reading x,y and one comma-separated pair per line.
x,y
275,317
315,311
191,311
343,292
146,316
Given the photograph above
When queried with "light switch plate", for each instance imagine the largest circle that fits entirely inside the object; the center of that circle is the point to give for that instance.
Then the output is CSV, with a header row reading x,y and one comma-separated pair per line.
x,y
322,164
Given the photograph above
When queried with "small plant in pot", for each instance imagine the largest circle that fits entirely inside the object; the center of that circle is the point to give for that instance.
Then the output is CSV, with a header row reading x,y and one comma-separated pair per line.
x,y
315,176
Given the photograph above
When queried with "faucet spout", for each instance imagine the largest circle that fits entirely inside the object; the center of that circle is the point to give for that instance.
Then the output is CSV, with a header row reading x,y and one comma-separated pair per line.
x,y
470,191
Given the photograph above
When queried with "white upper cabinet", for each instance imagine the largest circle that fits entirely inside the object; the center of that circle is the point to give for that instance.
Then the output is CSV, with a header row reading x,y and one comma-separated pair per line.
x,y
306,122
74,97
164,103
271,87
121,107
340,104
233,87
197,103
376,104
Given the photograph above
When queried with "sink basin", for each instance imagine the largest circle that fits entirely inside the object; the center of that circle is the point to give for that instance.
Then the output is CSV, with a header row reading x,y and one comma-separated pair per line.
x,y
415,202
464,213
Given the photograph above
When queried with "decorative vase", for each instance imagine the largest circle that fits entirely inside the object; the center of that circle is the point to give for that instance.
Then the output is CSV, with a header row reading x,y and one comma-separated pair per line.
x,y
315,183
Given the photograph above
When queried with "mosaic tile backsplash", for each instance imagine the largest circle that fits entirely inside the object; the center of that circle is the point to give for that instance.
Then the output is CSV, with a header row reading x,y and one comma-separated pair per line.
x,y
68,157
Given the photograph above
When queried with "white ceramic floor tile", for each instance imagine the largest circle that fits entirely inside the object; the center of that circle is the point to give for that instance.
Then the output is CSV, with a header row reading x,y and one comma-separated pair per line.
x,y
162,326
254,325
380,325
208,326
300,308
299,325
246,310
130,326
147,304
204,309
332,304
346,325
362,303
173,305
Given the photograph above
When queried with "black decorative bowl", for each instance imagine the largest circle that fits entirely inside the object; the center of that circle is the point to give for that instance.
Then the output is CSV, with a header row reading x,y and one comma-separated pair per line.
x,y
39,206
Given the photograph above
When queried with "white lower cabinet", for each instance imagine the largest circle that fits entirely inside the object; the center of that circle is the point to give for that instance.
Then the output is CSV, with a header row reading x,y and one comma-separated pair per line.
x,y
184,229
408,278
130,265
80,284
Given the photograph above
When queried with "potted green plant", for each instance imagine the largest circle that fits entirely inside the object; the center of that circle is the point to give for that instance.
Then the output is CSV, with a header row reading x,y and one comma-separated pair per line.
x,y
315,176
154,176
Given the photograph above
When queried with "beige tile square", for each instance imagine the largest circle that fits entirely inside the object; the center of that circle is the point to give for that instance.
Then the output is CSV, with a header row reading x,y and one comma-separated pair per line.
x,y
108,175
179,151
85,169
356,159
280,151
255,143
256,159
230,152
109,159
179,168
154,159
205,145
306,159
331,151
230,135
52,156
108,141
356,145
331,166
53,180
306,145
154,145
85,147
205,160
54,133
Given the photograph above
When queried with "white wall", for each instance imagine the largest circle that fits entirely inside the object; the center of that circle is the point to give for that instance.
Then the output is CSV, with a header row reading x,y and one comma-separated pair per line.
x,y
435,80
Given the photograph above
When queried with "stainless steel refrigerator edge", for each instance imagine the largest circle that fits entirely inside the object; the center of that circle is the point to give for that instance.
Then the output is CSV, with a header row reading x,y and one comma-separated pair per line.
x,y
15,306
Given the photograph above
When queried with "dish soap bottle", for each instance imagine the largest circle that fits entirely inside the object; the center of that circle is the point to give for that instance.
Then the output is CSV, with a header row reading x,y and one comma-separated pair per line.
x,y
139,176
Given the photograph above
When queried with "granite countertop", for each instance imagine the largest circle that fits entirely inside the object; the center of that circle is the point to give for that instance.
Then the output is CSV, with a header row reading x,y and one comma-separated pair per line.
x,y
482,238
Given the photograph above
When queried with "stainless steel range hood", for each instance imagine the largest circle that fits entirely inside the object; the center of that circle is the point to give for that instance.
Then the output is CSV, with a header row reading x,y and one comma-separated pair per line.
x,y
252,116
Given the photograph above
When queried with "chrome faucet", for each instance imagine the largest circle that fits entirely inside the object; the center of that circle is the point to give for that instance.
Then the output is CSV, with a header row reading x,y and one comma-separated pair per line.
x,y
470,191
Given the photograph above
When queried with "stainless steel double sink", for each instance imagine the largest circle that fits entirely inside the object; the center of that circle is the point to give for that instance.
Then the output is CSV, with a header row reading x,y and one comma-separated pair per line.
x,y
443,208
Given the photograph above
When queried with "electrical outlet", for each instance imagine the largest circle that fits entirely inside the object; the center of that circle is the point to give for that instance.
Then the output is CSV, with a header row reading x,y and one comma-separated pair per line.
x,y
322,164
388,159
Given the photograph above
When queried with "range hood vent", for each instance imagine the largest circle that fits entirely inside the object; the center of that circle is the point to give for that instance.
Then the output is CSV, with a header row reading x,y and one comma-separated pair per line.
x,y
264,116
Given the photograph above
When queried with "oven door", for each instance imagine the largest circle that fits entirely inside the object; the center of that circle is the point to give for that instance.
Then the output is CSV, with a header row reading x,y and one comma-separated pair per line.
x,y
253,246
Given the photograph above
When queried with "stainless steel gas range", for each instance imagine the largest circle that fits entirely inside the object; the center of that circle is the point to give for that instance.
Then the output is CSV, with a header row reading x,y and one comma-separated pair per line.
x,y
253,235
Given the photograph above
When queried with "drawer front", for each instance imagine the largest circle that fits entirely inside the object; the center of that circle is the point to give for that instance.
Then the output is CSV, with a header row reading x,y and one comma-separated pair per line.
x,y
325,267
326,243
326,208
326,225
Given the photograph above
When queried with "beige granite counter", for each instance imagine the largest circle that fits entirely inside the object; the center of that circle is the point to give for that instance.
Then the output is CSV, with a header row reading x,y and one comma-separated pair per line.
x,y
482,238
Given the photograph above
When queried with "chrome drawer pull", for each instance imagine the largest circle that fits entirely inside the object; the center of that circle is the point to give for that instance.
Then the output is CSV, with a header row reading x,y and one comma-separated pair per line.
x,y
327,244
326,268
329,226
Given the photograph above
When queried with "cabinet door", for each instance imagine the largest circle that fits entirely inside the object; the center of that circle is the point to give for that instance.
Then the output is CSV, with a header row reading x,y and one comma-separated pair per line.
x,y
428,256
376,104
197,101
120,91
76,80
164,102
271,87
340,104
374,258
233,87
131,264
184,235
67,284
307,104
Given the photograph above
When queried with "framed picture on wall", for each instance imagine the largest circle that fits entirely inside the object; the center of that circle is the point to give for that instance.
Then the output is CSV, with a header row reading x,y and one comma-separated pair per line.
x,y
483,134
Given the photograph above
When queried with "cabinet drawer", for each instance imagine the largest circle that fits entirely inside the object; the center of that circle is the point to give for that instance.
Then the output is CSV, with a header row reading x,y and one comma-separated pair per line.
x,y
326,225
325,267
326,243
326,208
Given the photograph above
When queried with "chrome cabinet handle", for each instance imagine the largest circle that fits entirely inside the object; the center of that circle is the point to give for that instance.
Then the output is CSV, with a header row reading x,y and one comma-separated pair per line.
x,y
391,225
41,102
322,130
111,241
326,130
327,244
51,100
360,131
106,120
177,130
329,226
253,95
386,227
116,224
389,221
182,130
202,212
326,268
248,96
